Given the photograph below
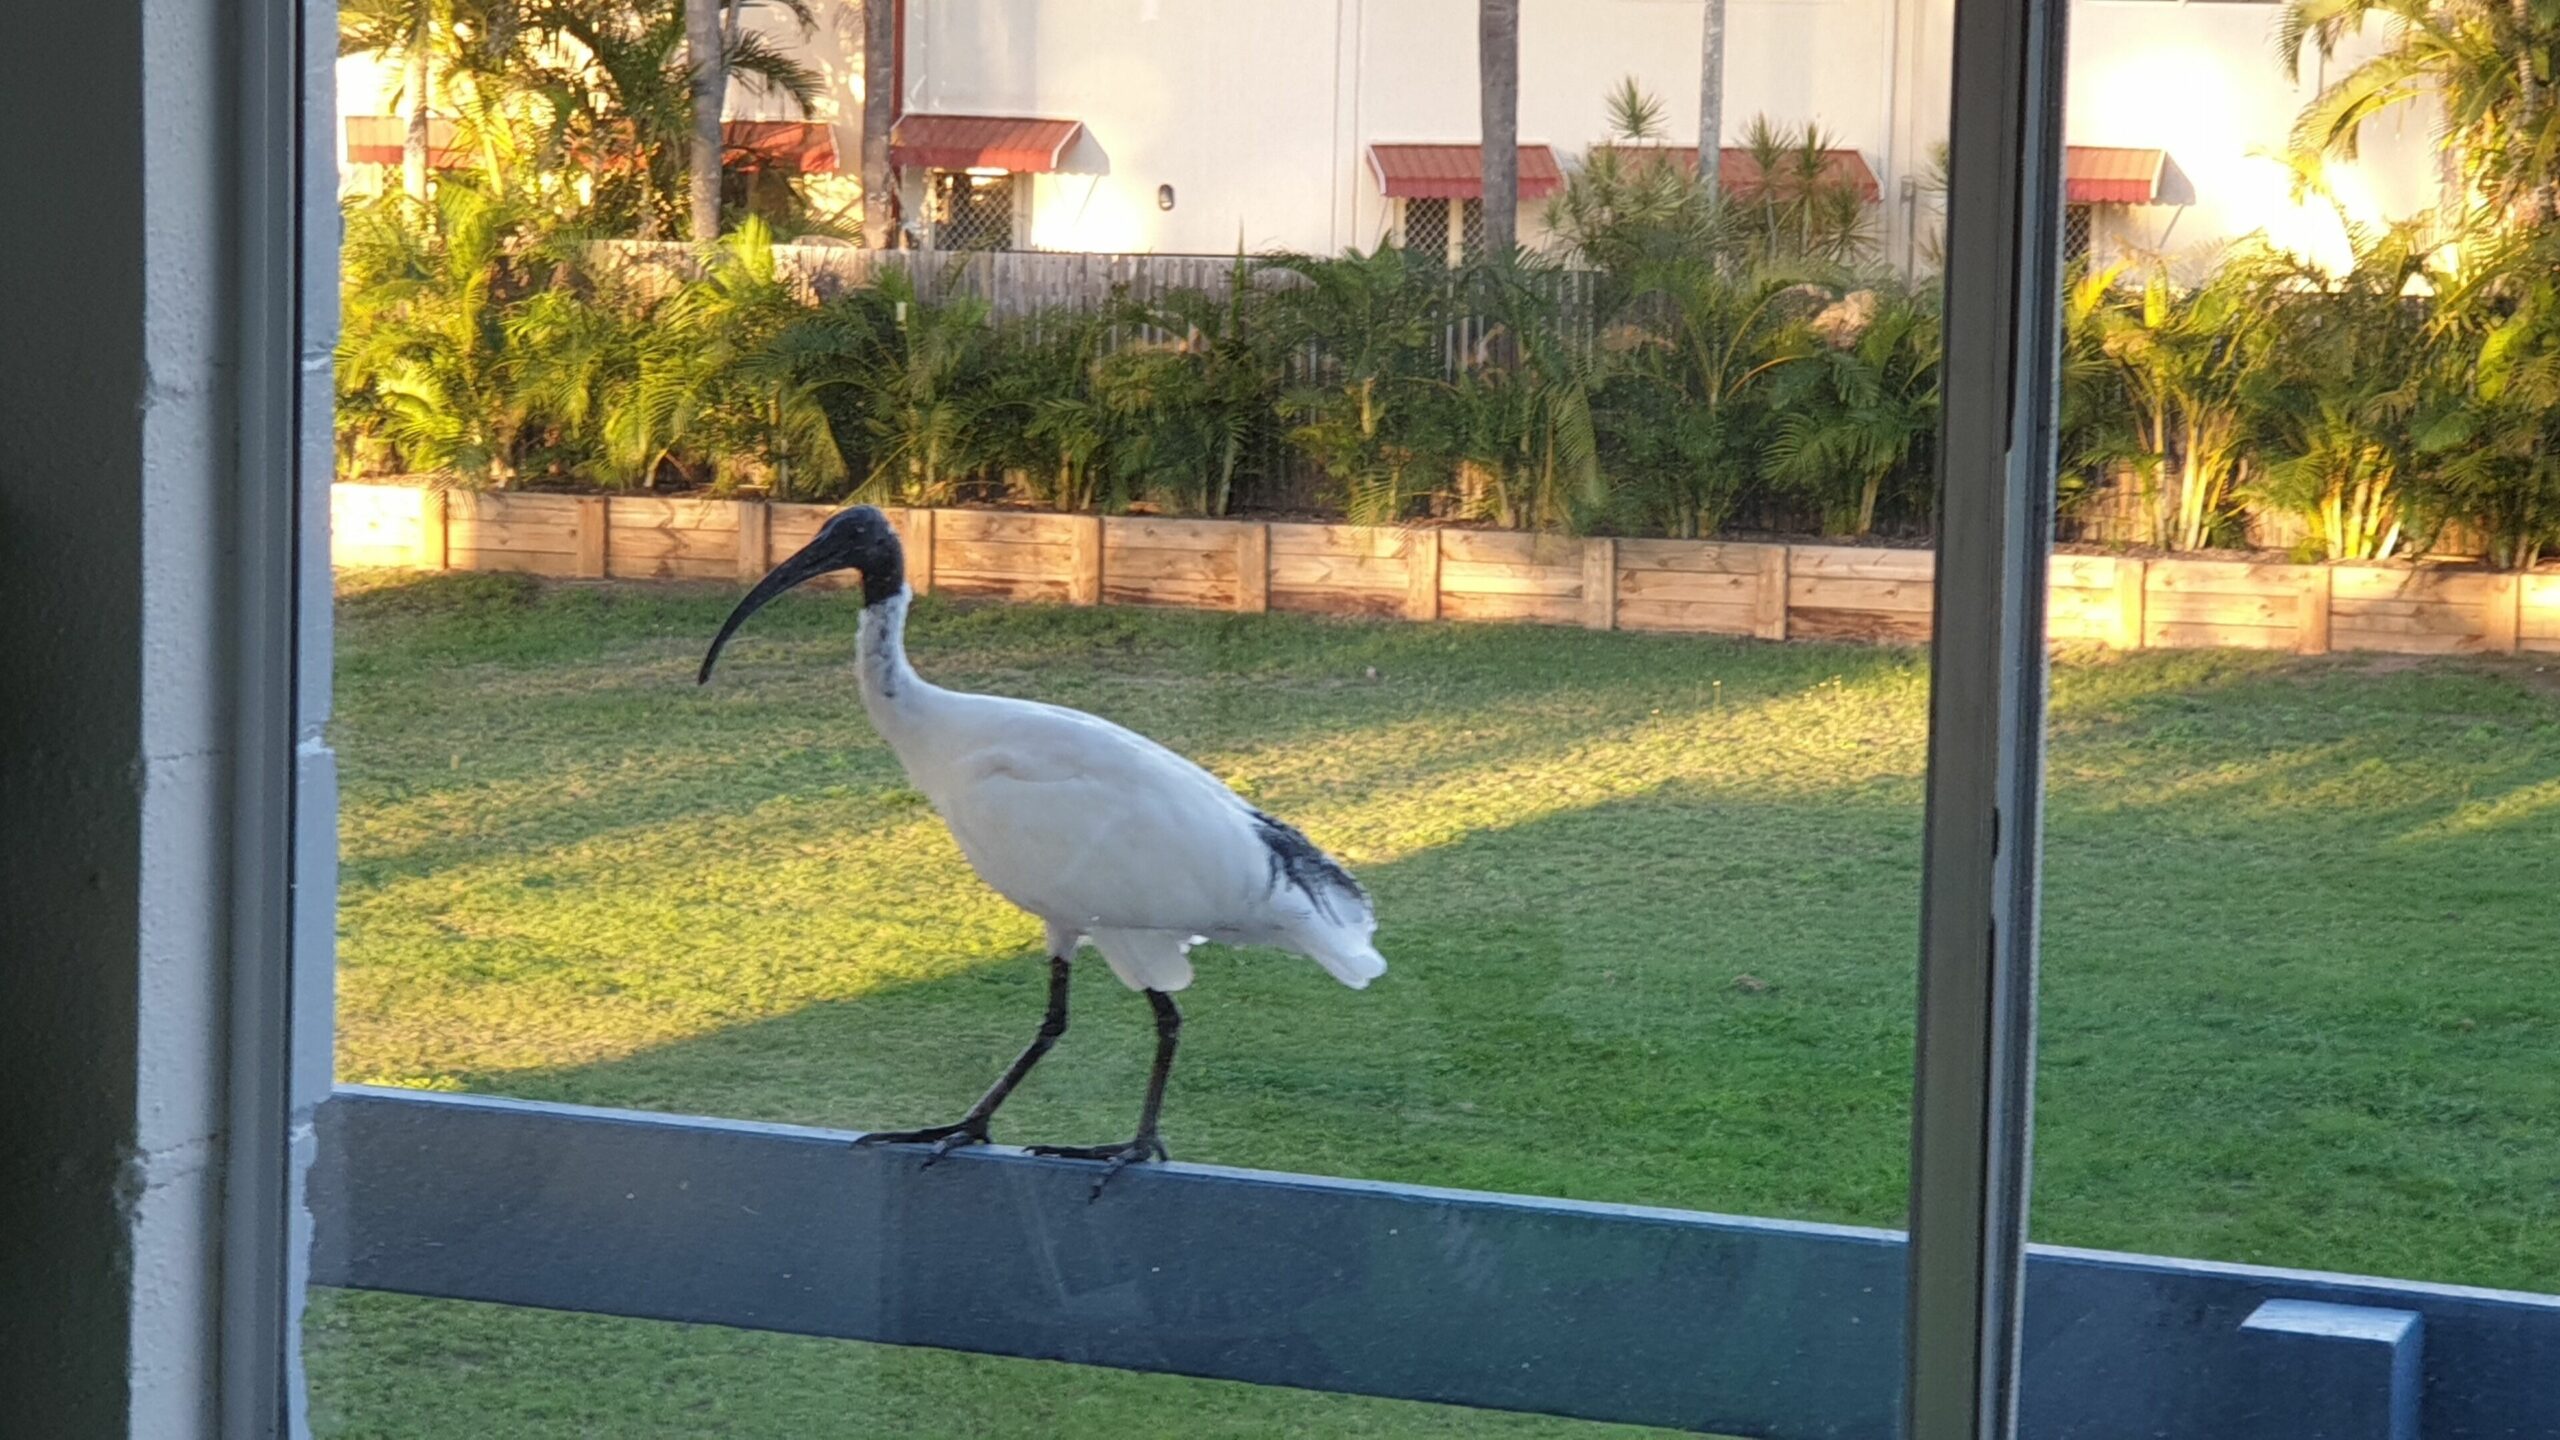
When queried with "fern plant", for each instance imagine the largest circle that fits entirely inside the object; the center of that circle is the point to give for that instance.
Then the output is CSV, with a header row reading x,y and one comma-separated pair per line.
x,y
422,356
1859,414
1369,407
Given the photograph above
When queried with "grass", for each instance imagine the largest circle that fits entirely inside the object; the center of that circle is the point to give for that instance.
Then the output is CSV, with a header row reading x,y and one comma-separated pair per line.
x,y
1650,903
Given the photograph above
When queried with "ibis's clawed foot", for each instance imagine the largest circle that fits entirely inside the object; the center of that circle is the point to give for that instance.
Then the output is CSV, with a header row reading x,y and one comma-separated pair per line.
x,y
1149,1145
971,1129
943,1138
1115,1158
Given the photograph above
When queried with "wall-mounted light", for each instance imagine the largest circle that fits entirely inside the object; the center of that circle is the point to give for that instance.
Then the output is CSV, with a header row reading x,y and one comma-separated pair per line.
x,y
1164,197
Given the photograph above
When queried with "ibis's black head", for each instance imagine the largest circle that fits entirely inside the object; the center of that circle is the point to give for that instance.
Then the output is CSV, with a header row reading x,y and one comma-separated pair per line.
x,y
855,539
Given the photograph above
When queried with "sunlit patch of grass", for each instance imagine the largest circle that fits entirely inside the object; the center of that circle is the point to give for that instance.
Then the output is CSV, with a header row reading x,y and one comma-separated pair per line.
x,y
1650,903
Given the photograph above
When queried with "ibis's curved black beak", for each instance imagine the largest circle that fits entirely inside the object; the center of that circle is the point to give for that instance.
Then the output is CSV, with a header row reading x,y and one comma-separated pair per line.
x,y
815,559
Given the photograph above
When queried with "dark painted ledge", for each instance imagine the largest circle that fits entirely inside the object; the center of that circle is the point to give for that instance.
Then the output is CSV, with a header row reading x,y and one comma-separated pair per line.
x,y
1610,1312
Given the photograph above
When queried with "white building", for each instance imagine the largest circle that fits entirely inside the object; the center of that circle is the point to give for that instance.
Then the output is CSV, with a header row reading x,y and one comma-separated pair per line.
x,y
1186,126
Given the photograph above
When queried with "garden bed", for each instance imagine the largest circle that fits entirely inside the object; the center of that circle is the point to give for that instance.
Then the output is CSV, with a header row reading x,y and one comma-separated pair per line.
x,y
1771,590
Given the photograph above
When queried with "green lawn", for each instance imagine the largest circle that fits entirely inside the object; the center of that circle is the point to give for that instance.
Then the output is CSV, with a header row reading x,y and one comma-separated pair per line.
x,y
1650,904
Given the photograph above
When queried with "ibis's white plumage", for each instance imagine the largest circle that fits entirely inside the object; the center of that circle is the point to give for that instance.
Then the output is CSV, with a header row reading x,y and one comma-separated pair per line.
x,y
1105,834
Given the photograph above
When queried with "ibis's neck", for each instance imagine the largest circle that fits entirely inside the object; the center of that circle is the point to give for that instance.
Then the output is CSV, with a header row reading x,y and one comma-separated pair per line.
x,y
891,689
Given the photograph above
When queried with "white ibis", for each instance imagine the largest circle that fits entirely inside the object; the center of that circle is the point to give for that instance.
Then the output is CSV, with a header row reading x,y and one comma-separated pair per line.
x,y
1104,835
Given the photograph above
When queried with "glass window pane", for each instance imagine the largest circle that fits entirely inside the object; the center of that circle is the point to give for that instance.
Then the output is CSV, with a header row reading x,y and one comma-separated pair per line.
x,y
2295,938
1577,610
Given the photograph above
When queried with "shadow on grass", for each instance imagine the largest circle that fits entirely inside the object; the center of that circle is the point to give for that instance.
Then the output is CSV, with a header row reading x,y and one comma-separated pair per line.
x,y
1691,1001
1573,1029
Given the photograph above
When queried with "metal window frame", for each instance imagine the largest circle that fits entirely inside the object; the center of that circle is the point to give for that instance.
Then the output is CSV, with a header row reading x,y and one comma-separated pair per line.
x,y
1448,225
2084,219
284,794
941,186
1973,1081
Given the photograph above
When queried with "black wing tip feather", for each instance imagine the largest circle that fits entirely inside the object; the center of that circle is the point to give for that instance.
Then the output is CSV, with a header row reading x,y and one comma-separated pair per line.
x,y
1295,860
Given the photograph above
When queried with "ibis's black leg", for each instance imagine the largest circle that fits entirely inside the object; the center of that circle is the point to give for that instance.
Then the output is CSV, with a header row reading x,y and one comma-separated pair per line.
x,y
971,1128
1148,1145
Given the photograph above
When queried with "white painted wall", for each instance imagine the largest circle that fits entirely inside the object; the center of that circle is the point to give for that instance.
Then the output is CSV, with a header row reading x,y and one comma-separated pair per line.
x,y
833,47
1259,113
1233,105
2202,81
1260,116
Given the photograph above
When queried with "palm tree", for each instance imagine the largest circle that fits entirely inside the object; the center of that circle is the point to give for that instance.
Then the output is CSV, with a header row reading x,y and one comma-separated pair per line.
x,y
710,392
1498,81
1368,410
705,49
1203,403
624,98
2492,434
1798,208
2188,359
1625,210
1701,358
879,106
2095,435
1046,424
405,29
905,384
2348,364
1523,411
1711,100
422,354
2487,63
1861,410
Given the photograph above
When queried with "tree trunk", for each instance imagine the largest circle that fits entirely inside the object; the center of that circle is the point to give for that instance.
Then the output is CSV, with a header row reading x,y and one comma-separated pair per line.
x,y
413,146
879,106
703,52
1711,100
2533,98
1498,78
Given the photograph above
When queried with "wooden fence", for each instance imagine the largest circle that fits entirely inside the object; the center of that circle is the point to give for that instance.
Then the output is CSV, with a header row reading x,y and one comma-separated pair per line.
x,y
1026,282
1022,283
1710,587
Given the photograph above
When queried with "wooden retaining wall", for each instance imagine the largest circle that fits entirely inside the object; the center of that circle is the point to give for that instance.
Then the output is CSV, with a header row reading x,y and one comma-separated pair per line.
x,y
1712,587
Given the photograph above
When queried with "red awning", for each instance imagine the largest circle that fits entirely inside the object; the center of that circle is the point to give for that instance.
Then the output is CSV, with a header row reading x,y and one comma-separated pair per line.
x,y
802,146
982,142
2106,175
1739,174
380,139
1456,172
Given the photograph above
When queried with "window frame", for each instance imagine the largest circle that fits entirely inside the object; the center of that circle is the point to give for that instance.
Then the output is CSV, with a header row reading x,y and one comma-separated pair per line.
x,y
1982,837
1969,1153
2079,231
1015,206
1447,224
283,874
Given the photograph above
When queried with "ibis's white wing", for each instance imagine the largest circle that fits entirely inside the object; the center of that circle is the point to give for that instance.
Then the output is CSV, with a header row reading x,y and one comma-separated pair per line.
x,y
1088,824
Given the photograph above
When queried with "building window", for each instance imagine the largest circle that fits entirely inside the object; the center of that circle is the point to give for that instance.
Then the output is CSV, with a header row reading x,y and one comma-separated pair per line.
x,y
1426,228
971,211
1450,231
2078,224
